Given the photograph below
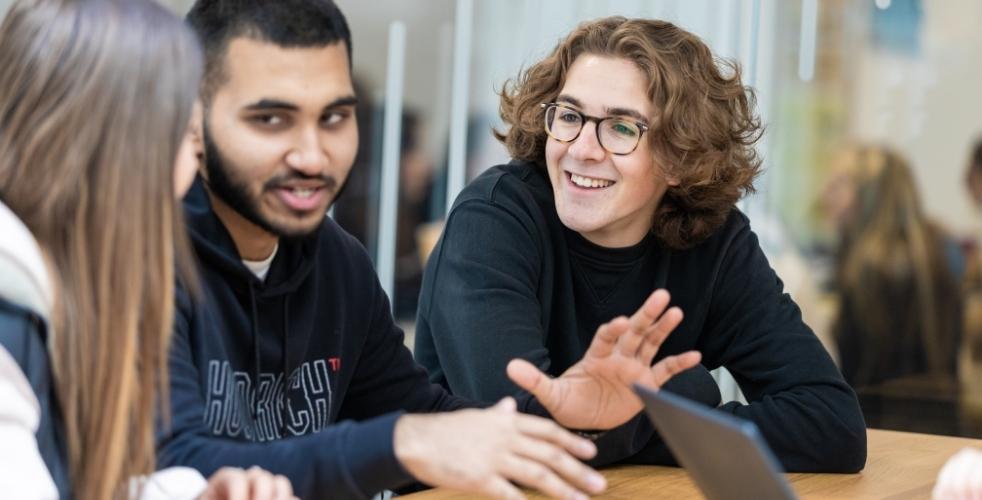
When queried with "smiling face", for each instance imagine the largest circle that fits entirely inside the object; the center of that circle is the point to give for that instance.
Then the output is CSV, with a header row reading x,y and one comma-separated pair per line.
x,y
280,134
609,199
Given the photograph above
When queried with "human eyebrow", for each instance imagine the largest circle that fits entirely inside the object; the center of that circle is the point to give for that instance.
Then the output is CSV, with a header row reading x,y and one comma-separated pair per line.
x,y
627,112
340,102
616,111
569,100
270,105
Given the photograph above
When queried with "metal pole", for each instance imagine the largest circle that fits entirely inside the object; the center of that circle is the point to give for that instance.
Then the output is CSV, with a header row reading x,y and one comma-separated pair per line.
x,y
391,146
457,164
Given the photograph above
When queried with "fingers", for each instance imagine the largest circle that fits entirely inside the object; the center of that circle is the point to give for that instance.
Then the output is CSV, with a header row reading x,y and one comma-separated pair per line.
x,y
568,469
673,365
657,334
549,431
606,337
498,487
229,483
282,488
530,378
535,474
641,321
649,326
652,308
260,483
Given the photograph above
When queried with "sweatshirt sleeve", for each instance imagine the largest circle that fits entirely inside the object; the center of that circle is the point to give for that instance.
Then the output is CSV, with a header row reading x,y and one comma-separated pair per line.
x,y
479,307
799,400
345,460
387,377
22,470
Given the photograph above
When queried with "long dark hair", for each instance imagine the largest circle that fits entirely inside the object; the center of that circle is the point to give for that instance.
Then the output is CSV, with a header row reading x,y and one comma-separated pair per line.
x,y
901,304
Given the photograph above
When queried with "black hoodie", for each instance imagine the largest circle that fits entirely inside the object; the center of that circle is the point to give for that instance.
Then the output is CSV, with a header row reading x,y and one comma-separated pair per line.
x,y
505,254
333,373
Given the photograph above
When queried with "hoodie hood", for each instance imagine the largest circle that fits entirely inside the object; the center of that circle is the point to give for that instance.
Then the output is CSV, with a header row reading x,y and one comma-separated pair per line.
x,y
294,261
26,281
213,244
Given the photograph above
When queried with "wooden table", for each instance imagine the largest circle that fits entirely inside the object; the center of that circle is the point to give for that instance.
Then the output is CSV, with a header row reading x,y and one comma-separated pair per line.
x,y
899,465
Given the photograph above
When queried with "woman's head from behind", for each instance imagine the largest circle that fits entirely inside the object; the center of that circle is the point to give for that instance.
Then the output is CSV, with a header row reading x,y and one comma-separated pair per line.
x,y
871,187
892,266
95,98
657,88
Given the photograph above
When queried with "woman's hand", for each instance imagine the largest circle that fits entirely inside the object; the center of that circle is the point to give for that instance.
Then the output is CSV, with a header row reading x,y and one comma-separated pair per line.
x,y
231,483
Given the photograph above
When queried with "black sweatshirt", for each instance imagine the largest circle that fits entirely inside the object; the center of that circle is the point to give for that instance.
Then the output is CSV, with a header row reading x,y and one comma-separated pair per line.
x,y
508,280
318,336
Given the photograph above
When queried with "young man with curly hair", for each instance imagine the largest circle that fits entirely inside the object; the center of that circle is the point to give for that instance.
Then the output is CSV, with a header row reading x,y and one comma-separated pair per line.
x,y
631,147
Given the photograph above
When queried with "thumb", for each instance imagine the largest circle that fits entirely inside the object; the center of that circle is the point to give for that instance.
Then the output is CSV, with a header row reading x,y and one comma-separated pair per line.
x,y
530,378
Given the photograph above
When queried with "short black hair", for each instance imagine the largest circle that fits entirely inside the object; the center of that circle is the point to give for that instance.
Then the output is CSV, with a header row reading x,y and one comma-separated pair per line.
x,y
287,23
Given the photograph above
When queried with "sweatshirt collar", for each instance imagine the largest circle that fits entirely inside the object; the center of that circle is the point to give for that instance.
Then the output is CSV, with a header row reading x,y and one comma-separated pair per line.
x,y
214,246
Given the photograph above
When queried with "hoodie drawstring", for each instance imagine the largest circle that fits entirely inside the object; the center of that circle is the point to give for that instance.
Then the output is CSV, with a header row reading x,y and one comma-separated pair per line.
x,y
257,357
286,354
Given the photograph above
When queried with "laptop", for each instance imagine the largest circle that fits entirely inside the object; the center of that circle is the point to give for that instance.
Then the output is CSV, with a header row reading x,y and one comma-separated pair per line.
x,y
726,456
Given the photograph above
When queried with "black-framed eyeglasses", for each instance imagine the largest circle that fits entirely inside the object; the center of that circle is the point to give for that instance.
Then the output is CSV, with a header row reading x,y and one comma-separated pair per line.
x,y
618,135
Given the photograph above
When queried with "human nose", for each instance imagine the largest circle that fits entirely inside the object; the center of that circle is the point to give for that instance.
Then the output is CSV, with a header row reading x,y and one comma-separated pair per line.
x,y
587,144
308,156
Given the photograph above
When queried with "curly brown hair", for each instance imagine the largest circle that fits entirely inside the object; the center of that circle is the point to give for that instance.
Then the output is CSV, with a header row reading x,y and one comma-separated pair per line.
x,y
703,134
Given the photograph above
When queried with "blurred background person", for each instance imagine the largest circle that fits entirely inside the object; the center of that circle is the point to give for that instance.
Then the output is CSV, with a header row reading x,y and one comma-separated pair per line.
x,y
970,361
897,273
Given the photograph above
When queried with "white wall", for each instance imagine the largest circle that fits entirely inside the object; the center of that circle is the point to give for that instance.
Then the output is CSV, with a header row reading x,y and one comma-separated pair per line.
x,y
929,107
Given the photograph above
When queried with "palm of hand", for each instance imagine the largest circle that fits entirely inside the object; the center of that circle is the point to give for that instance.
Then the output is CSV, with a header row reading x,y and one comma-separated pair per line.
x,y
597,392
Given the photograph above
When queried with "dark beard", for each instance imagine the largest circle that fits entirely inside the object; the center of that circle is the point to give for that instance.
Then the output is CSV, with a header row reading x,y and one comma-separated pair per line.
x,y
235,194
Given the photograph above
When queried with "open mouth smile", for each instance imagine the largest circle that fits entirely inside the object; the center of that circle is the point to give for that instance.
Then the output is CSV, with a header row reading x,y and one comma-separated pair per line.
x,y
585,182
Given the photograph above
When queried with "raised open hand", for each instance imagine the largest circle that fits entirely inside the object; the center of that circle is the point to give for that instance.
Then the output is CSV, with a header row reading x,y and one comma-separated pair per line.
x,y
596,392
